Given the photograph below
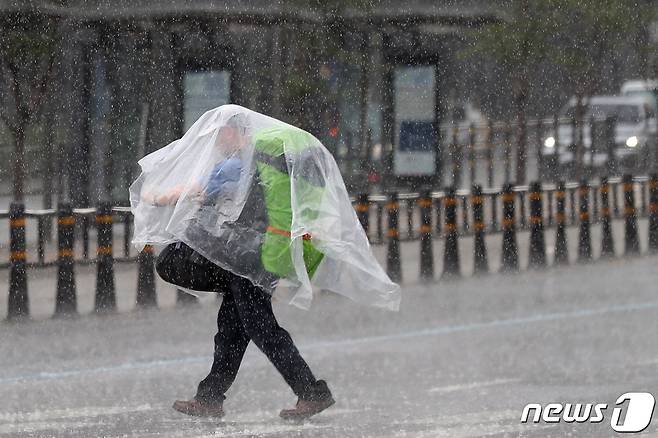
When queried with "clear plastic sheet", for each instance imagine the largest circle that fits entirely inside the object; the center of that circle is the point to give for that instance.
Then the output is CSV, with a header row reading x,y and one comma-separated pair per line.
x,y
264,200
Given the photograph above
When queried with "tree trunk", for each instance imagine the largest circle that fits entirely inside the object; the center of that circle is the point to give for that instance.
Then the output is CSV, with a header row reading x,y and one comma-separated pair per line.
x,y
521,145
522,137
578,138
19,163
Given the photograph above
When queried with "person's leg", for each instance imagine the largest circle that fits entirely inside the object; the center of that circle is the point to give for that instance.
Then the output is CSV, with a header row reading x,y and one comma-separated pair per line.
x,y
231,342
255,310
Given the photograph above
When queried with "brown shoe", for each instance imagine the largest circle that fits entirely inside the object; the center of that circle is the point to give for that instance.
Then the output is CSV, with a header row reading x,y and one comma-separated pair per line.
x,y
315,401
197,408
305,409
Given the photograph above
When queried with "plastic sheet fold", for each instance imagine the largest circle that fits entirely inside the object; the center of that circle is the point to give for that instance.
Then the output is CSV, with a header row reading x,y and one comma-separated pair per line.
x,y
264,200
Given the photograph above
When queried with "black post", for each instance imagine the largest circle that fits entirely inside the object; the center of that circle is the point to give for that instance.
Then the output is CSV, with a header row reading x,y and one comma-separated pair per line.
x,y
426,252
18,305
66,301
451,266
561,250
393,267
607,242
480,262
584,235
363,211
510,259
631,239
146,296
537,241
105,293
653,213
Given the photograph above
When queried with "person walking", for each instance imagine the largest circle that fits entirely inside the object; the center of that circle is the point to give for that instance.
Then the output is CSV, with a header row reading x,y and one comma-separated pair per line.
x,y
240,222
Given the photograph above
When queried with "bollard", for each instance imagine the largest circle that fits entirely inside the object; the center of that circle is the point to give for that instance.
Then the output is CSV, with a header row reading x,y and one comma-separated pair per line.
x,y
41,237
653,213
18,304
451,267
362,211
537,257
480,263
510,259
561,251
146,278
584,235
105,294
393,254
607,242
426,253
494,212
66,301
630,229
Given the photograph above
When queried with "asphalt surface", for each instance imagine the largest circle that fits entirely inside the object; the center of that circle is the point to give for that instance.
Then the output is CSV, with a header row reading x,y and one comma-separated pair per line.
x,y
460,359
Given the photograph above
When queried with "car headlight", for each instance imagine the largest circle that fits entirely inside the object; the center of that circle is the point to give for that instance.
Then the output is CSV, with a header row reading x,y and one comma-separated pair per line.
x,y
631,142
549,142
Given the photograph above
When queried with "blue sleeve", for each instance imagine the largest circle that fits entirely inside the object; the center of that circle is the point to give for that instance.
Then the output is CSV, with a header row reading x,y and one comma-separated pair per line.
x,y
225,175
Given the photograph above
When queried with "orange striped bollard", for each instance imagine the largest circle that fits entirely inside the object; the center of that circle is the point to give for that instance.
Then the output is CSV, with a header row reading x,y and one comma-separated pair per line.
x,y
66,301
393,267
607,242
451,267
561,249
18,305
653,213
480,263
510,259
426,252
630,228
146,278
363,211
537,256
105,294
584,235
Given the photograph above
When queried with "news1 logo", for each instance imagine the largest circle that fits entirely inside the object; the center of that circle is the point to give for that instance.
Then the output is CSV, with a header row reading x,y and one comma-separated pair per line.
x,y
632,412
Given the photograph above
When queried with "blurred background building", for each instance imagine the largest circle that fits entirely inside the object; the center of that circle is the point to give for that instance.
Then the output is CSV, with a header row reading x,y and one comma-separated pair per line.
x,y
372,80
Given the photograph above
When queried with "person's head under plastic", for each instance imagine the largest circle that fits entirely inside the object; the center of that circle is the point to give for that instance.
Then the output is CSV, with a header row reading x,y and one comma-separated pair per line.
x,y
233,135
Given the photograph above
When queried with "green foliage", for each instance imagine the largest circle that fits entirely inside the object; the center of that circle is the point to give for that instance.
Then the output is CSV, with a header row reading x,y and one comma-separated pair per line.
x,y
588,31
576,34
520,39
27,48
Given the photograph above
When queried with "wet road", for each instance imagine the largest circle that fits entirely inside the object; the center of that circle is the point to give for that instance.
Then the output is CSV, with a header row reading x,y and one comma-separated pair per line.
x,y
460,359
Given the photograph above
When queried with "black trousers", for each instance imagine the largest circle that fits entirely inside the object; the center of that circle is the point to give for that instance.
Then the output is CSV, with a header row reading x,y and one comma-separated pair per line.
x,y
245,315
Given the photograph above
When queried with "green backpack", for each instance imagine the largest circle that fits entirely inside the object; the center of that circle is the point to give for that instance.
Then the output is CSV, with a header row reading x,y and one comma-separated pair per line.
x,y
275,180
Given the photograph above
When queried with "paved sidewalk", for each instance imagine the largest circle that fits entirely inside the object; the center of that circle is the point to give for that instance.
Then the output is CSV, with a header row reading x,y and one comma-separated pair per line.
x,y
460,359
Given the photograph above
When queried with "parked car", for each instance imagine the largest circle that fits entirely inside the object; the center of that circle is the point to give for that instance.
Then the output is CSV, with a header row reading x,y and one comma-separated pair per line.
x,y
635,131
641,88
